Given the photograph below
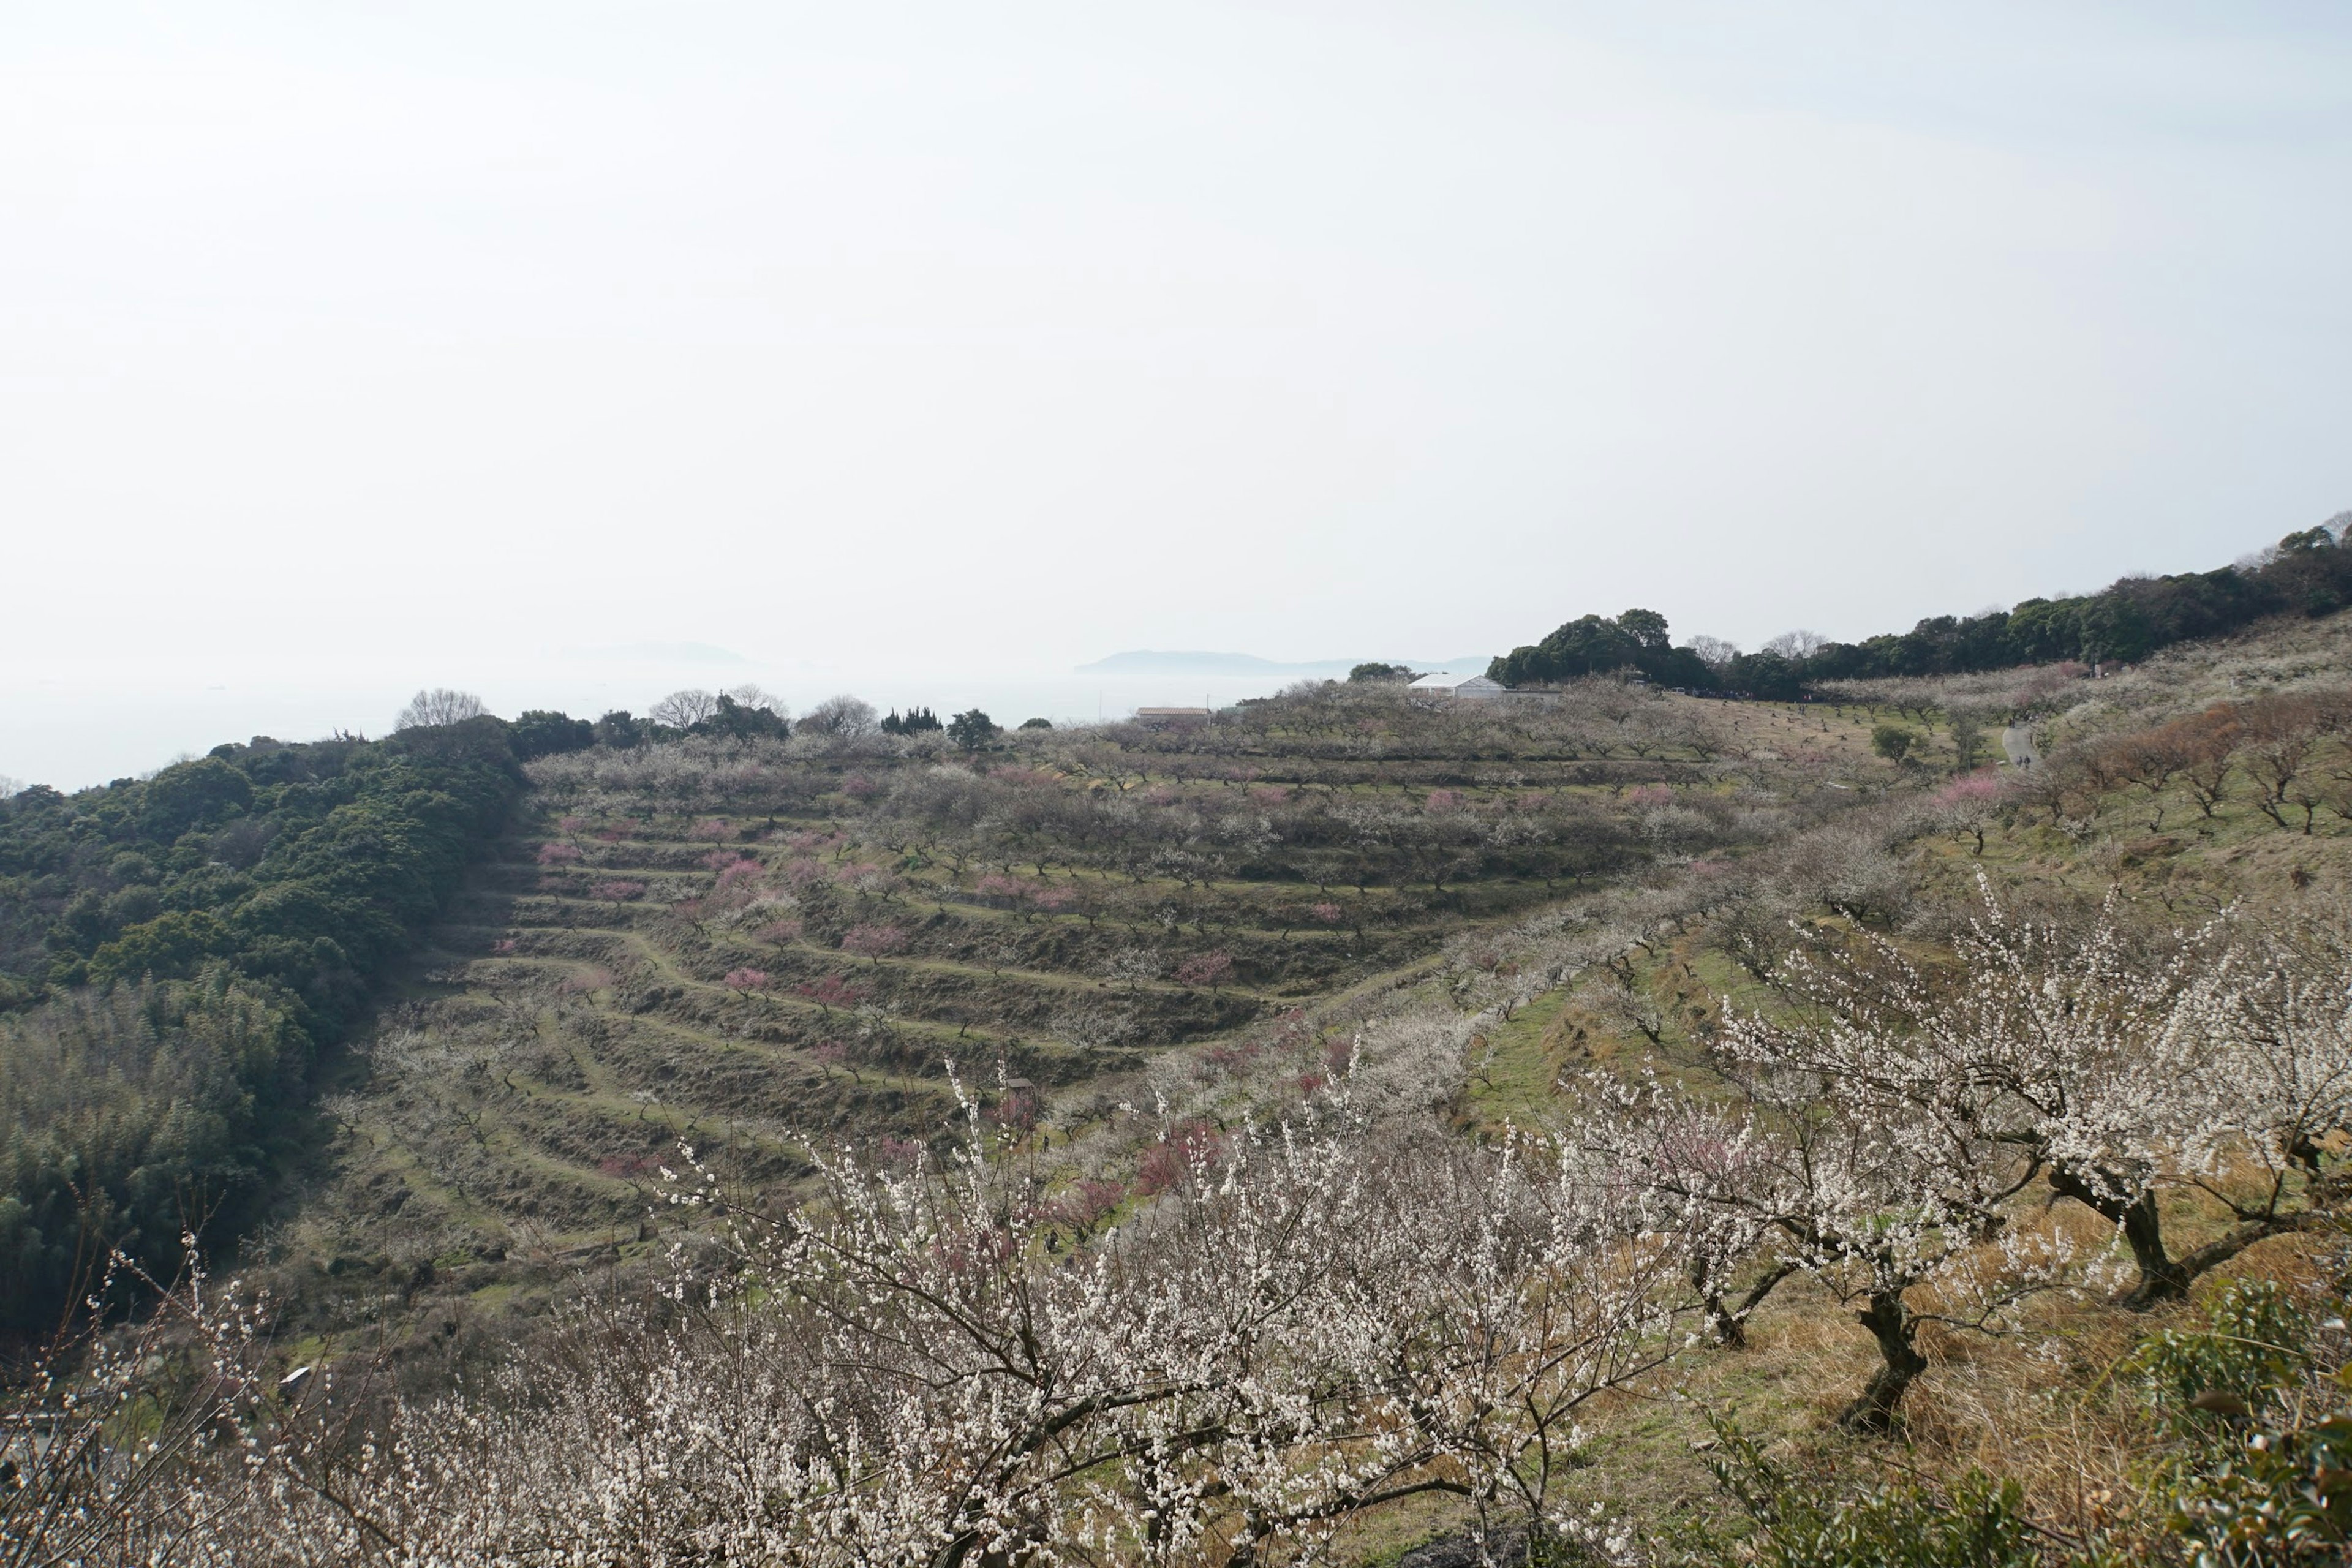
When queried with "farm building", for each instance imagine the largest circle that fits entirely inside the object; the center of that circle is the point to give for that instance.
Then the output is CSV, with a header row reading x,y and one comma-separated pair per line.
x,y
1443,686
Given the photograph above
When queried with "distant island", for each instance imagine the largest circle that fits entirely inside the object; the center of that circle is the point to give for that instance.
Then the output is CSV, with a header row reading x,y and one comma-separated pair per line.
x,y
1146,662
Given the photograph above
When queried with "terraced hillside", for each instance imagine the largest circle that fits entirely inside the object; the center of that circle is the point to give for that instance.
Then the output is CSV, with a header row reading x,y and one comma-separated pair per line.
x,y
1142,949
749,944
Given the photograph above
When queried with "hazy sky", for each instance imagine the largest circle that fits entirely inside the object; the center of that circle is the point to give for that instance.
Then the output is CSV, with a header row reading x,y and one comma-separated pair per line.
x,y
347,348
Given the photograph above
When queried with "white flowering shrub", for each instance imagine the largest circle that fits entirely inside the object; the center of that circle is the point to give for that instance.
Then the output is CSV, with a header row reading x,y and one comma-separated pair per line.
x,y
929,1365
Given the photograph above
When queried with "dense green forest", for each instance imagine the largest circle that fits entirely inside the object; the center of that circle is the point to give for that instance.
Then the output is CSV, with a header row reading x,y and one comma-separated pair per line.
x,y
2308,572
174,954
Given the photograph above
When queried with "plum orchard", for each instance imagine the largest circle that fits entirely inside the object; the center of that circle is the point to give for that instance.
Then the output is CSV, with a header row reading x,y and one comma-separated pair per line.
x,y
980,1357
1879,1132
928,1367
1068,906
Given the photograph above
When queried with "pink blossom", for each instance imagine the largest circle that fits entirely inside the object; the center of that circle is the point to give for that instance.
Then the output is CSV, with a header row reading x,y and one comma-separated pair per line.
x,y
616,892
558,853
1969,789
740,874
1089,1203
779,931
831,991
1164,1164
747,979
1209,969
872,942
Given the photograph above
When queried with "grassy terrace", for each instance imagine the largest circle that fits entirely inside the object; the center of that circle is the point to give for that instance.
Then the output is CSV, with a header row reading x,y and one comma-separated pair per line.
x,y
752,947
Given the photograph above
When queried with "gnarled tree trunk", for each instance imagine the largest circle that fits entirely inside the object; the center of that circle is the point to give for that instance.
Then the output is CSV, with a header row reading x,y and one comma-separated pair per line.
x,y
2160,1277
1891,1324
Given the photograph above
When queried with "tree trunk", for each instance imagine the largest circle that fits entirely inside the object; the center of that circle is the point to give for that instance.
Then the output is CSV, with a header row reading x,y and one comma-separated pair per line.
x,y
2160,1279
1891,1324
1731,1322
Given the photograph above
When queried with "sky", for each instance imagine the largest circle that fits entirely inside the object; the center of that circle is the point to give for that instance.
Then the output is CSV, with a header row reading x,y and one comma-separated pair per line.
x,y
572,353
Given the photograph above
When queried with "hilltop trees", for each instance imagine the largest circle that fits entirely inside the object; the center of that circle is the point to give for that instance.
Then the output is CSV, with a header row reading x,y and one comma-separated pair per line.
x,y
744,720
2308,572
973,729
683,709
742,713
540,734
845,720
1595,645
438,707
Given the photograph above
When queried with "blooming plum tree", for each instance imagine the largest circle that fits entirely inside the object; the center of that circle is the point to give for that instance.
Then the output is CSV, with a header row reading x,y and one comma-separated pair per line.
x,y
872,942
1311,1323
830,991
1209,969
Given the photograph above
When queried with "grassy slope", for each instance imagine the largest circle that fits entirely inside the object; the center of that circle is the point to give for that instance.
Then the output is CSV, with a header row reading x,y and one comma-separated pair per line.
x,y
2040,1405
508,1117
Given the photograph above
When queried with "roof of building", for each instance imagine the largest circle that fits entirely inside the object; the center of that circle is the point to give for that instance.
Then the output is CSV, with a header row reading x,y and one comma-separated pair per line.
x,y
1439,678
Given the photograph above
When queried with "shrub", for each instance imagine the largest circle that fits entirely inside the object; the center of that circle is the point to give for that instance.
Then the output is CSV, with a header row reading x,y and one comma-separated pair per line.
x,y
1793,1522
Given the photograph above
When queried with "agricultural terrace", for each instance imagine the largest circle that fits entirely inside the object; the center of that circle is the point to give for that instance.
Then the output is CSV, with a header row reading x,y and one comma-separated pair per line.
x,y
746,945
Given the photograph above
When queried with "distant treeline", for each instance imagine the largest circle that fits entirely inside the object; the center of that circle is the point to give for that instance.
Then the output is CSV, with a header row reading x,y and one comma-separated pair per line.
x,y
174,954
2308,574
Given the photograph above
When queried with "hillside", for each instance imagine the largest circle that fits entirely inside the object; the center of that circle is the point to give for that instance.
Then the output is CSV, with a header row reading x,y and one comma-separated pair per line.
x,y
174,954
751,944
1736,1125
